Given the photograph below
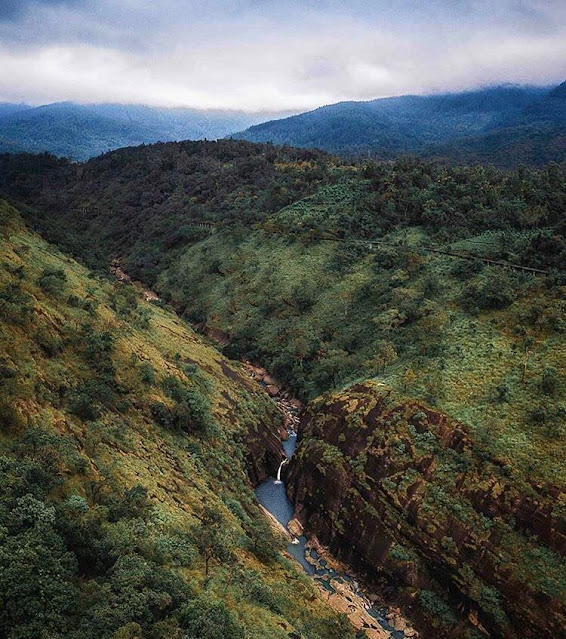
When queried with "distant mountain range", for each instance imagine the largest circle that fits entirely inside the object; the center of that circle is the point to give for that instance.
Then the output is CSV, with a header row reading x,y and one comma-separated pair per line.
x,y
503,125
82,131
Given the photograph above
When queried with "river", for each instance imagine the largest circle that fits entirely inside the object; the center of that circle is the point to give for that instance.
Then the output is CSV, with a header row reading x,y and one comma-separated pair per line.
x,y
342,590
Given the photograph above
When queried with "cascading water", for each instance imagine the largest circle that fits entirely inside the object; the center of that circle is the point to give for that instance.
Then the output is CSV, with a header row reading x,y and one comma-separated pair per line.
x,y
272,495
278,480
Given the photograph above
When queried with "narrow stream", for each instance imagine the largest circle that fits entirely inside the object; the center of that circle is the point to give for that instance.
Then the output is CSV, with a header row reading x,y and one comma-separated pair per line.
x,y
272,495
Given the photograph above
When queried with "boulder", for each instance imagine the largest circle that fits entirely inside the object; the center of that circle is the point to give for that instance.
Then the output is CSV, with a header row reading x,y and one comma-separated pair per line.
x,y
295,527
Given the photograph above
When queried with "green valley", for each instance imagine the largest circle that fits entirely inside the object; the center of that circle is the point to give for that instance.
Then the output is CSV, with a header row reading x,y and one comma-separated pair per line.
x,y
128,449
420,311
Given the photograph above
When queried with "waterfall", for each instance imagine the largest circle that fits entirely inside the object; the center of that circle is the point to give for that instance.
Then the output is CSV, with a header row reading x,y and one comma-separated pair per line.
x,y
278,480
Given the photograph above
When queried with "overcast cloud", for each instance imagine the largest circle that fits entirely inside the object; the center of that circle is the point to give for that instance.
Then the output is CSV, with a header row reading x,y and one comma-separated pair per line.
x,y
263,54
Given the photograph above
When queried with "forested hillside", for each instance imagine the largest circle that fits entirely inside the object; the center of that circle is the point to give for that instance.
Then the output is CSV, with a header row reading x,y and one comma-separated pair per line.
x,y
400,295
126,510
81,131
504,126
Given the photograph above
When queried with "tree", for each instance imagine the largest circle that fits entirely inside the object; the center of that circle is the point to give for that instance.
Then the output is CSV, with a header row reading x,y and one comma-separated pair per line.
x,y
385,354
213,537
408,378
204,618
52,281
37,593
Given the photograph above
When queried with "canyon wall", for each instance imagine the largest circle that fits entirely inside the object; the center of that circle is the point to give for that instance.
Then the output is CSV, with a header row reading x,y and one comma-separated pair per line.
x,y
404,494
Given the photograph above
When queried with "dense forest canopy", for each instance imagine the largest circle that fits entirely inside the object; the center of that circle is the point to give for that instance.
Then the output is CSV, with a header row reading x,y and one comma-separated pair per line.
x,y
146,201
332,273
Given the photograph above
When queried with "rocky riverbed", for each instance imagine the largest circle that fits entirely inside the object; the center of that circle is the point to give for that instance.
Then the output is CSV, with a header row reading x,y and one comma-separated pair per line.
x,y
337,583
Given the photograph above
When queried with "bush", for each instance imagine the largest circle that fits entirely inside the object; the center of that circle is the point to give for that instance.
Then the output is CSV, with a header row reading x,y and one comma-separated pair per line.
x,y
549,380
191,411
492,290
16,307
52,281
147,373
89,400
206,618
436,607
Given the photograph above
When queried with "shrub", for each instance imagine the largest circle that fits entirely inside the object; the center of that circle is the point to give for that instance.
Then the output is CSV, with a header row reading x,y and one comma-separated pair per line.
x,y
147,373
52,281
191,411
89,400
16,307
436,607
549,380
491,290
207,618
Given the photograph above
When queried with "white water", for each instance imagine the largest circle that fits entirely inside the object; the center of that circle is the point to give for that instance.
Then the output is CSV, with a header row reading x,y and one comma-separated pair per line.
x,y
278,480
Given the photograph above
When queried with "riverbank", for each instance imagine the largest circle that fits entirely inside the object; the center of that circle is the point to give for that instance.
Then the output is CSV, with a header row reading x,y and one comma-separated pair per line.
x,y
336,582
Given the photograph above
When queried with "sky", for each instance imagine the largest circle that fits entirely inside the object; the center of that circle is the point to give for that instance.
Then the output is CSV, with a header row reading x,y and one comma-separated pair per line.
x,y
272,55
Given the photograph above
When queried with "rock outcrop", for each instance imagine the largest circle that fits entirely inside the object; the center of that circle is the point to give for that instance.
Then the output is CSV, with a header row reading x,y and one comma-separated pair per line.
x,y
262,441
405,494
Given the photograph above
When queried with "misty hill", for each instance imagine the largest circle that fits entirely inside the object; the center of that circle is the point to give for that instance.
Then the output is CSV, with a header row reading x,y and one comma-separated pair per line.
x,y
450,125
82,131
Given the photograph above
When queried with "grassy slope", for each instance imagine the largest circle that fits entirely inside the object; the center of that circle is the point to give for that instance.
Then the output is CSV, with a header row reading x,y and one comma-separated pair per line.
x,y
124,447
284,299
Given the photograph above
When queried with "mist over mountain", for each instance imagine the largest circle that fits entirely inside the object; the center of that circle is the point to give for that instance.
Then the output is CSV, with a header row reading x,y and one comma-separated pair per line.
x,y
463,127
83,131
505,126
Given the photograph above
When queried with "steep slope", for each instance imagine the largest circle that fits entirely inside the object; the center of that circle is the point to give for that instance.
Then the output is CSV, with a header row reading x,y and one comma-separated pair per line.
x,y
397,488
449,126
379,272
535,136
125,508
530,145
83,131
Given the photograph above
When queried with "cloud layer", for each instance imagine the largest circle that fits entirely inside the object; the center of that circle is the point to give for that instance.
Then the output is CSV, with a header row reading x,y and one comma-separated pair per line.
x,y
262,54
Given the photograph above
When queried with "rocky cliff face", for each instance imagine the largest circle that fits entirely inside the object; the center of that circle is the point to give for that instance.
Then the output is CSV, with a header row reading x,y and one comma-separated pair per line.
x,y
264,452
261,441
403,492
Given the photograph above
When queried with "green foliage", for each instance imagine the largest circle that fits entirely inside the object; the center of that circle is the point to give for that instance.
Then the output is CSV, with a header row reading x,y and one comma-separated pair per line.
x,y
213,537
436,607
37,590
550,380
89,400
204,618
147,373
191,411
16,306
492,289
52,281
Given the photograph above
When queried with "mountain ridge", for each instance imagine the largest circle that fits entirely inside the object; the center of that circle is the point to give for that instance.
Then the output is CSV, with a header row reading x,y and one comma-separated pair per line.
x,y
426,125
81,131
